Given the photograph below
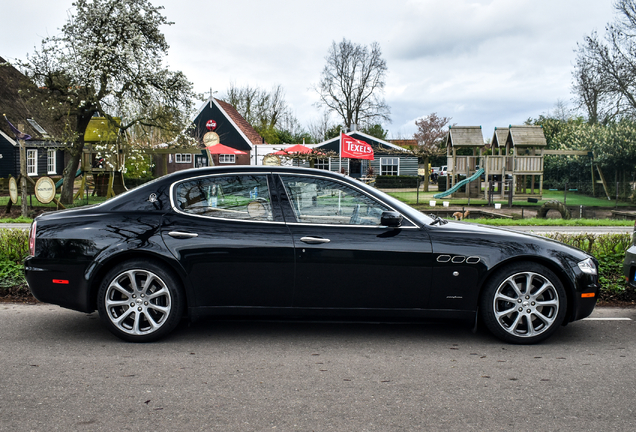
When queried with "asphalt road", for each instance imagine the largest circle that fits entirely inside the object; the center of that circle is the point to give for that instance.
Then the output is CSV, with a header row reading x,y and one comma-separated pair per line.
x,y
61,370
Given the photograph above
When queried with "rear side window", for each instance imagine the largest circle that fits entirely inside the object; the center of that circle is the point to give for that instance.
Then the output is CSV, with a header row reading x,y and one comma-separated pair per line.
x,y
243,197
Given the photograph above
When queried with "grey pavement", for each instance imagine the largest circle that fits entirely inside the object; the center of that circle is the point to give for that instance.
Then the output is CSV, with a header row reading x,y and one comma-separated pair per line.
x,y
61,370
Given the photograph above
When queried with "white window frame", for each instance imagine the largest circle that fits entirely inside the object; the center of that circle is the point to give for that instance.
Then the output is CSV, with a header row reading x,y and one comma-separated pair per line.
x,y
382,165
51,161
183,158
227,158
32,162
326,163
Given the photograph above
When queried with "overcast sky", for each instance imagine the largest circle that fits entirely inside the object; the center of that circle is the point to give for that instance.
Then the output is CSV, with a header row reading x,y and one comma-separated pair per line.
x,y
488,63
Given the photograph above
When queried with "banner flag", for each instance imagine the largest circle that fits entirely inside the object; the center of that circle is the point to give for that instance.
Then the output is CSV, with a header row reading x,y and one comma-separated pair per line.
x,y
16,132
355,149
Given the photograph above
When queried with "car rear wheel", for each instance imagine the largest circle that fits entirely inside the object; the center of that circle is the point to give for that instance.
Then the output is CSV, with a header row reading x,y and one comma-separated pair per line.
x,y
139,301
523,303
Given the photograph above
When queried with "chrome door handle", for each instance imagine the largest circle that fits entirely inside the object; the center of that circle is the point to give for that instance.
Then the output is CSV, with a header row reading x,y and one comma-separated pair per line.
x,y
179,234
314,240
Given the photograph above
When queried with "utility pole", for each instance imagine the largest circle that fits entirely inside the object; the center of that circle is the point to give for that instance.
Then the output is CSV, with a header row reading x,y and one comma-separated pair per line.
x,y
23,173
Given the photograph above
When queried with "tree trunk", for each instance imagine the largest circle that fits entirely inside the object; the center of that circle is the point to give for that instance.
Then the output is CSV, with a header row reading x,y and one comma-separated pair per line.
x,y
76,151
66,197
428,174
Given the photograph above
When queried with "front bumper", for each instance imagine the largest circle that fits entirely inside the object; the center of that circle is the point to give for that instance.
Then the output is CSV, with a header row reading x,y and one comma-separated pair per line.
x,y
585,295
629,266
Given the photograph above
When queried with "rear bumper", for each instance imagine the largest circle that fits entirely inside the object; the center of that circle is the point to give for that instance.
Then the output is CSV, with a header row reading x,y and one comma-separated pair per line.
x,y
63,285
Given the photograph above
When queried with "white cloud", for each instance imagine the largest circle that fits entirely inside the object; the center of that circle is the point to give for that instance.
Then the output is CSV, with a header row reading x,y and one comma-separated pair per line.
x,y
489,63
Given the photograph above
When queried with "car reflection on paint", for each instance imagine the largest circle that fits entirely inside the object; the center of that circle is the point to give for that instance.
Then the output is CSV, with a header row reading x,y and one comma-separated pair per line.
x,y
284,241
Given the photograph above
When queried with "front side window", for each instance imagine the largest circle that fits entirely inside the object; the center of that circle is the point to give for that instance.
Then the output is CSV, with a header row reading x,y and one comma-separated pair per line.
x,y
226,158
389,166
243,197
32,162
324,201
50,162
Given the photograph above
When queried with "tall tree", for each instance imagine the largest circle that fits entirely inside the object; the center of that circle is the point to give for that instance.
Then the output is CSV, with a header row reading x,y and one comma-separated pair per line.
x,y
375,130
110,52
352,83
431,130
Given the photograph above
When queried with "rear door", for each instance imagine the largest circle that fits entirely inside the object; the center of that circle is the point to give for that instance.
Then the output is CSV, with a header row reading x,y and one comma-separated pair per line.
x,y
228,233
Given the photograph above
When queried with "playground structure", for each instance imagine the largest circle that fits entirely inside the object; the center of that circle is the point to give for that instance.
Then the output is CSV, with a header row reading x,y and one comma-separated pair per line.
x,y
106,175
516,157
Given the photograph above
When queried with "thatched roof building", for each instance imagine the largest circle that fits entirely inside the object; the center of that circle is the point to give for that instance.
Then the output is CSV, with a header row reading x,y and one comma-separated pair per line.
x,y
464,136
527,136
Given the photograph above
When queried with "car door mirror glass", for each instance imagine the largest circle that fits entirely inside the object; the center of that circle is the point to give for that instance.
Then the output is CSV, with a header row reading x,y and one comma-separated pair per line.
x,y
391,219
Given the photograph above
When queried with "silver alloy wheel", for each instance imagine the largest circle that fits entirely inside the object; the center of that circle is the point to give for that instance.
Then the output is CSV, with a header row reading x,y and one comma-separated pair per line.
x,y
138,302
526,304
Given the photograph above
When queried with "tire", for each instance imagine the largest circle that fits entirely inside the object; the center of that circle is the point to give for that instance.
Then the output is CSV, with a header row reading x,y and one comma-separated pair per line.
x,y
554,205
139,301
523,303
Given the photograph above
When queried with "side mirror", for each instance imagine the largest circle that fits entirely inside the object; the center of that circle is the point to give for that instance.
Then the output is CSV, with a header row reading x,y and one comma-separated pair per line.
x,y
391,219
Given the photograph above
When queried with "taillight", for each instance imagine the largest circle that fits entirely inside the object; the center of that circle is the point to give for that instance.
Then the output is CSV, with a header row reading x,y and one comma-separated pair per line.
x,y
32,239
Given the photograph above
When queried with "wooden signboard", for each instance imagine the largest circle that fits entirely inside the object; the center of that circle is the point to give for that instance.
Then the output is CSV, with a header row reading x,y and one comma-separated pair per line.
x,y
45,190
13,190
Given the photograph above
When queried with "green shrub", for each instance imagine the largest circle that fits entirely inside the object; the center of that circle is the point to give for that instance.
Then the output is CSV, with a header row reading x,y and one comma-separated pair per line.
x,y
609,250
14,245
14,248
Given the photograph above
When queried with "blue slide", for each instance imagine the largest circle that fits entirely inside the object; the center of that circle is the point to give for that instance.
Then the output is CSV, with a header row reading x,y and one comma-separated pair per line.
x,y
60,182
460,184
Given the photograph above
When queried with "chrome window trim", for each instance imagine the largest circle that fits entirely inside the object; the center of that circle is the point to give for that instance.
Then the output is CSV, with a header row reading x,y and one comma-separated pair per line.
x,y
346,225
177,210
347,184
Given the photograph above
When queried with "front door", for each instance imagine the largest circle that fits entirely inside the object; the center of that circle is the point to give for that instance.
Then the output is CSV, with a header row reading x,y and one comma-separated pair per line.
x,y
344,257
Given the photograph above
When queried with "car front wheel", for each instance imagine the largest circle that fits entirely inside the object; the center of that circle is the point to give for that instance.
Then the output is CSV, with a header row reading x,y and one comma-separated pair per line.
x,y
139,301
523,303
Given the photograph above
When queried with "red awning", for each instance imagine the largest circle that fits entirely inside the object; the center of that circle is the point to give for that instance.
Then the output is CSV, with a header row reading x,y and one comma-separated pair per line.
x,y
223,149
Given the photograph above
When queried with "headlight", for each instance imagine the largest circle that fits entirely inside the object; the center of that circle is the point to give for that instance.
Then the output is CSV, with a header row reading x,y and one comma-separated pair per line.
x,y
588,266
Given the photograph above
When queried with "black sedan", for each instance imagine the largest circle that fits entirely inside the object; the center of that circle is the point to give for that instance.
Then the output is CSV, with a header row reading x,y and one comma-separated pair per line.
x,y
275,241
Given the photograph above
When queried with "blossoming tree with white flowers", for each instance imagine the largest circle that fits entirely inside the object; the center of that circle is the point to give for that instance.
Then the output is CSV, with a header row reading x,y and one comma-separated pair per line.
x,y
109,53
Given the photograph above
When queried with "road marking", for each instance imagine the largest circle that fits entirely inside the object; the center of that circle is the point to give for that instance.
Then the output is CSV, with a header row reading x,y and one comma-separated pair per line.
x,y
607,319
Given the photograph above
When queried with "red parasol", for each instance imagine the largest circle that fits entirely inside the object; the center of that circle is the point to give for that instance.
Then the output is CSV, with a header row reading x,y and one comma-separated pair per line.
x,y
298,148
223,149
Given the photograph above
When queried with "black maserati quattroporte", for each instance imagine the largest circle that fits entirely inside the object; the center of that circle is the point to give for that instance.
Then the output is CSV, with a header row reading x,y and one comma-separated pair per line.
x,y
279,241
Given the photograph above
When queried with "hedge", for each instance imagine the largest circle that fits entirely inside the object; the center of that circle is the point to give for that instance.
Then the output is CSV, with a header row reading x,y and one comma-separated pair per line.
x,y
390,182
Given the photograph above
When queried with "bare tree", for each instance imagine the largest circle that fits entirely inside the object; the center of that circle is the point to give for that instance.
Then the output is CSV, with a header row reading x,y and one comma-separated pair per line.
x,y
109,53
261,108
318,129
605,71
592,87
352,83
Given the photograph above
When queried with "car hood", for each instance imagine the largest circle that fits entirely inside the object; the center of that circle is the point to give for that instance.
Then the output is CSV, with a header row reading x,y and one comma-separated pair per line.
x,y
507,242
